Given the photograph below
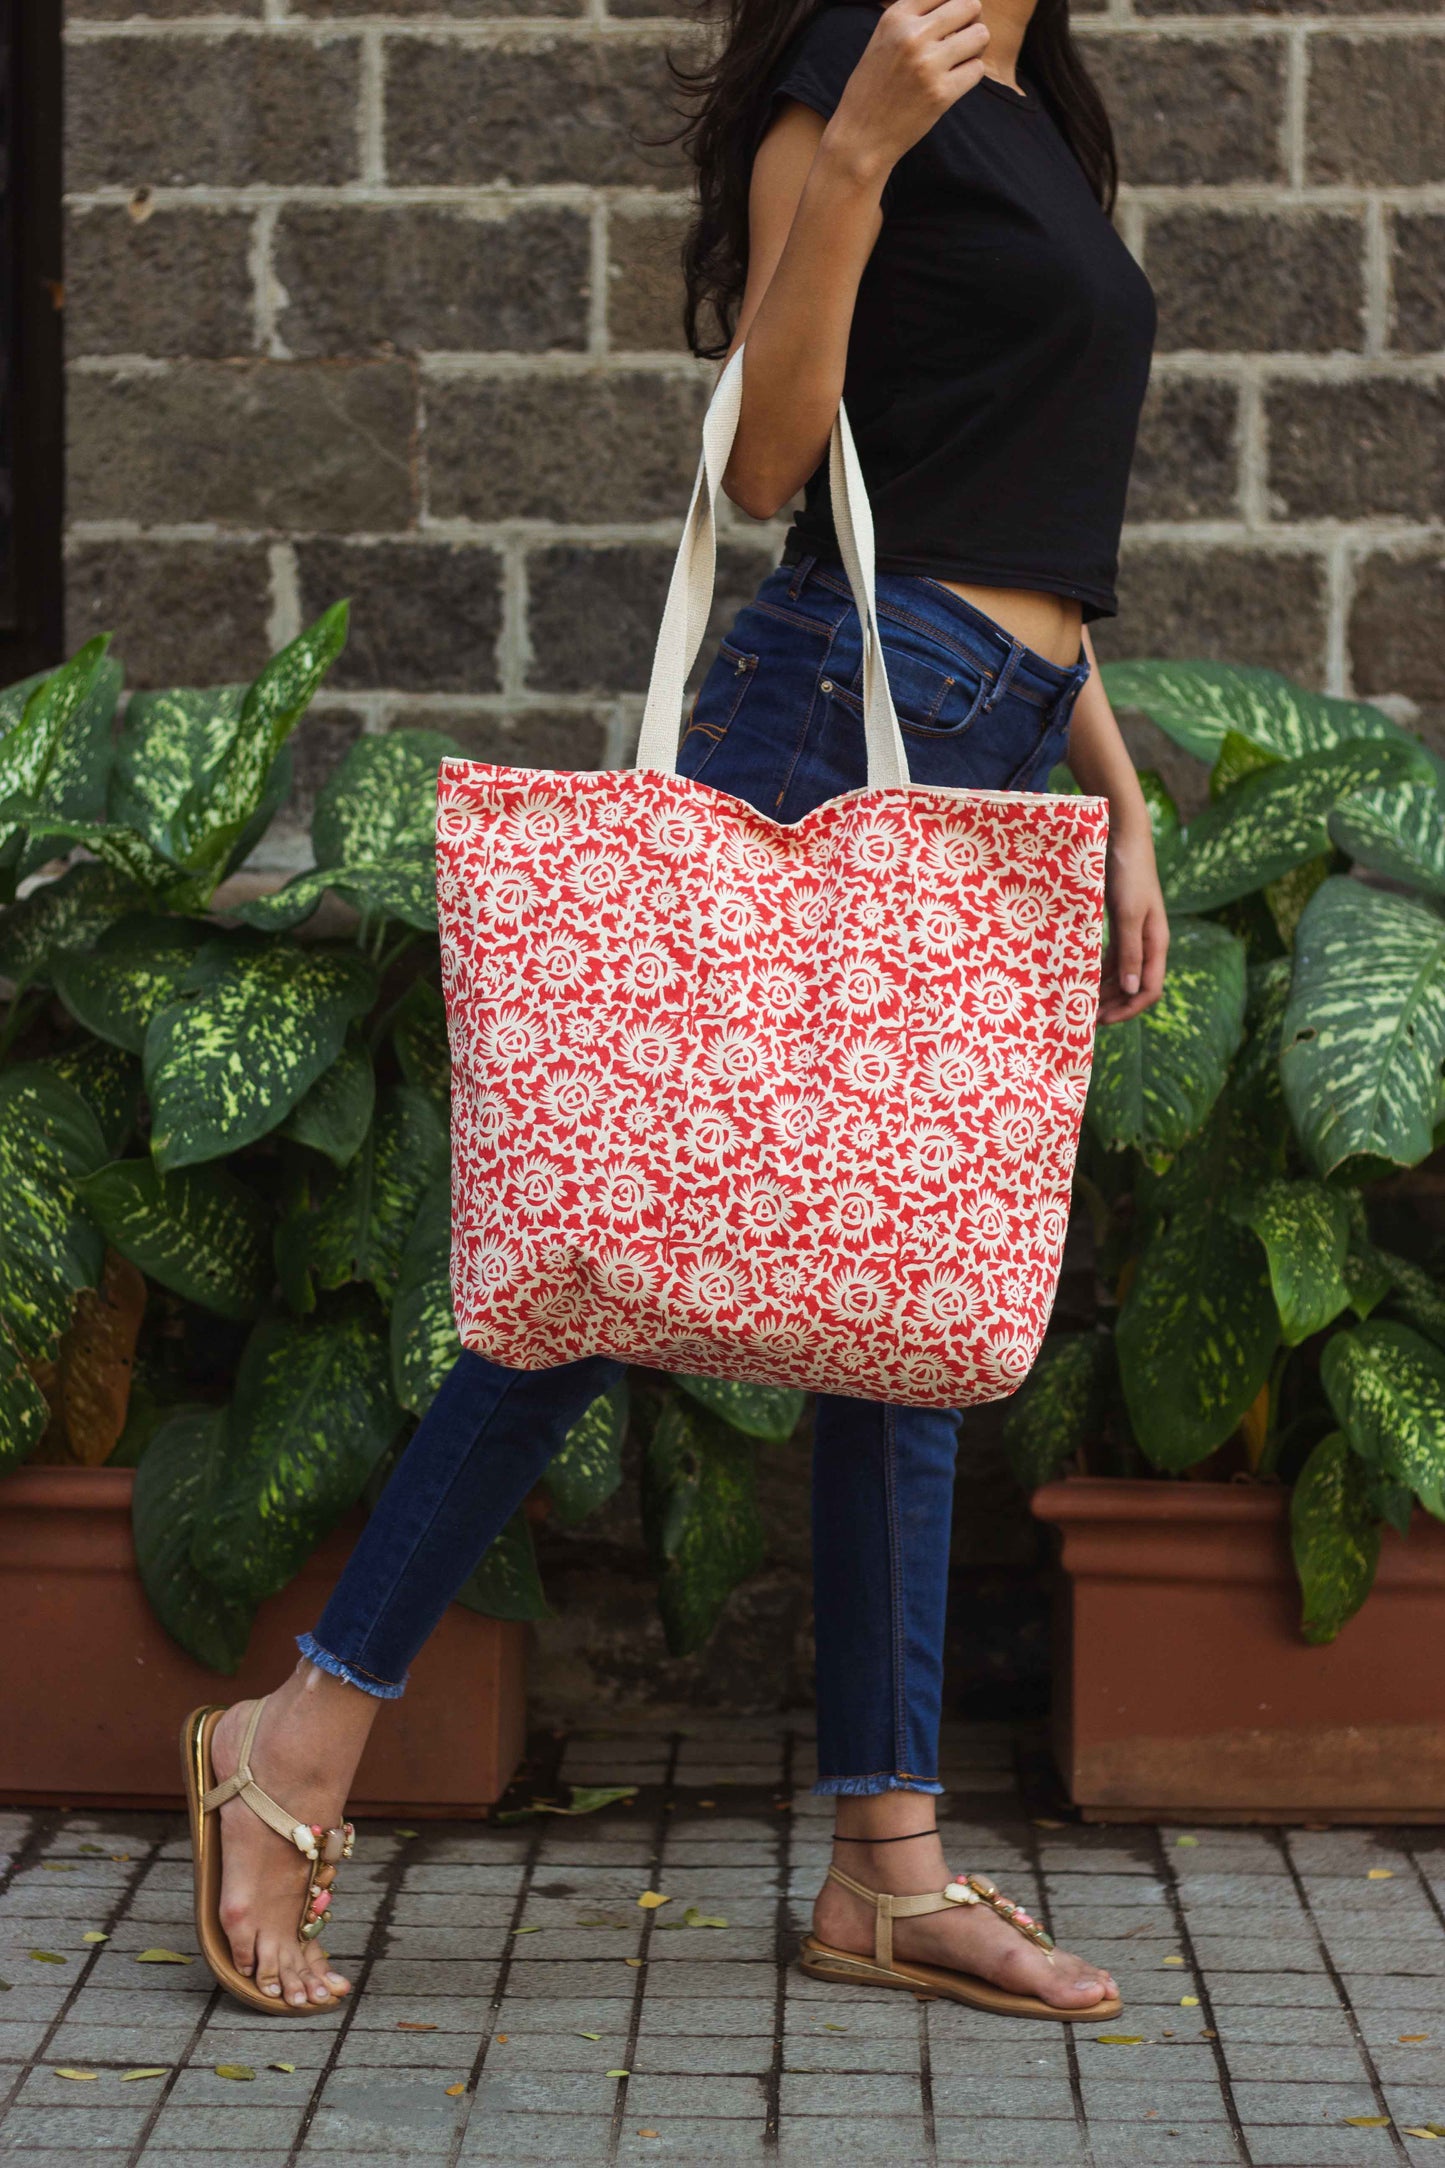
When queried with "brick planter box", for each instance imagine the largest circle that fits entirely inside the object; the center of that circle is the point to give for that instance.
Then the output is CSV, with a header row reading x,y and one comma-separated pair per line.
x,y
1182,1684
93,1689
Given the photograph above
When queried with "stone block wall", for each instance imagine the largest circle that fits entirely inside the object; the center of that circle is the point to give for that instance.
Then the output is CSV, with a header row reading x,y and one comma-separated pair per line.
x,y
379,297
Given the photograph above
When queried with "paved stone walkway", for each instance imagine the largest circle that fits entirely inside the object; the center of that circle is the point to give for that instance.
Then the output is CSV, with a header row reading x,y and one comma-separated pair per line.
x,y
517,2005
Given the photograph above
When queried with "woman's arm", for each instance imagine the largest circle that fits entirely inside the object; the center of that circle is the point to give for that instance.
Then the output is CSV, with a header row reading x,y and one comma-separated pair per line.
x,y
814,215
1138,926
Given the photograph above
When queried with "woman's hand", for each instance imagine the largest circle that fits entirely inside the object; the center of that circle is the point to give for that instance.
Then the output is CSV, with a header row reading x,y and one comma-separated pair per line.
x,y
1133,975
922,58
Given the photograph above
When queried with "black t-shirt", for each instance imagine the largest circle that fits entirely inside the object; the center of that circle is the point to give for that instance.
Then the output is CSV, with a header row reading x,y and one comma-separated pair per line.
x,y
999,351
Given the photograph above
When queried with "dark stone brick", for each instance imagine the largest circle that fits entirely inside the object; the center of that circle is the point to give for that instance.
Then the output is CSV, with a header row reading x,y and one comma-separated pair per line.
x,y
1374,109
319,743
424,615
177,282
1186,464
183,613
1395,621
228,111
1311,8
1252,282
1228,604
528,738
1347,451
644,280
259,444
1418,278
462,10
1192,109
572,448
594,612
114,11
565,111
431,280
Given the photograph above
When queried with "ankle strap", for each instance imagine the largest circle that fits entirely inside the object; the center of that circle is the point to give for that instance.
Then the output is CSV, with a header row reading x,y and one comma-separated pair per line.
x,y
888,1908
326,1846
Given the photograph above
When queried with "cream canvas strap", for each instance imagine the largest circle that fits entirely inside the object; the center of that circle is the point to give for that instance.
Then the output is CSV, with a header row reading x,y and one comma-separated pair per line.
x,y
973,1889
689,597
314,1843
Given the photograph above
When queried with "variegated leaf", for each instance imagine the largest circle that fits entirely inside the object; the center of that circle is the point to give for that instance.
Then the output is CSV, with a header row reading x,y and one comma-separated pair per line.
x,y
1387,1387
1237,758
74,788
312,1413
68,913
759,1411
588,1469
1156,1077
1305,1229
32,749
174,1479
168,742
1275,820
134,969
419,1034
1367,1273
24,1411
1364,1034
424,1342
1336,1536
198,1231
220,806
226,1063
335,1115
1198,703
1060,1405
96,1363
403,888
49,1140
700,1512
360,1226
1415,1293
381,802
1286,898
507,1583
1399,832
109,1082
1163,812
127,852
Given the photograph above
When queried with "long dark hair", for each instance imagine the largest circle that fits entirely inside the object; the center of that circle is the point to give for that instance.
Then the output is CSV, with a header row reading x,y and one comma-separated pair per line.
x,y
729,101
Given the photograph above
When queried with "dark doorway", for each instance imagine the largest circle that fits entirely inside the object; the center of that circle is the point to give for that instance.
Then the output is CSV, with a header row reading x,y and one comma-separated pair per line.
x,y
31,297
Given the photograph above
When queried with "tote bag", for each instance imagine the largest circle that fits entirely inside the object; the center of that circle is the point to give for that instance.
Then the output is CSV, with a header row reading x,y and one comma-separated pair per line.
x,y
790,1104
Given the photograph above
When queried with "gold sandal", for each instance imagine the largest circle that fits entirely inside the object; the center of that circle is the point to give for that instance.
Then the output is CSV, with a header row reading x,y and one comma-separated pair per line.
x,y
324,1848
882,1970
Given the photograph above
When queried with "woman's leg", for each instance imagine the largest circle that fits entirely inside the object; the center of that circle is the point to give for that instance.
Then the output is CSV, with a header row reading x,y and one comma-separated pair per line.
x,y
882,1516
483,1443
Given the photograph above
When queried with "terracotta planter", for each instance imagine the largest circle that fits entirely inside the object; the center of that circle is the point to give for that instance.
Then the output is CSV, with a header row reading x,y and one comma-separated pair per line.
x,y
1183,1686
93,1690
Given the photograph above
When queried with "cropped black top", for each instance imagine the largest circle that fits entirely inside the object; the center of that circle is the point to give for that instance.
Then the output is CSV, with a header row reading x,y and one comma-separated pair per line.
x,y
999,351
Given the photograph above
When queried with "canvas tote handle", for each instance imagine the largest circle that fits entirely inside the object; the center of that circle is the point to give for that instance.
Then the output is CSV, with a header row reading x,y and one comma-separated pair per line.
x,y
689,597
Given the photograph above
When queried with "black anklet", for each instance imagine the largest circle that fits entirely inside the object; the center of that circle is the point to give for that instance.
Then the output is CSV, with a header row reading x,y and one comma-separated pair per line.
x,y
886,1840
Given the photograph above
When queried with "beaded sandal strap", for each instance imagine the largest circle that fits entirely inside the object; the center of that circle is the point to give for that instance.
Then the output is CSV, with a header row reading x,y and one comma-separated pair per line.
x,y
324,1848
973,1889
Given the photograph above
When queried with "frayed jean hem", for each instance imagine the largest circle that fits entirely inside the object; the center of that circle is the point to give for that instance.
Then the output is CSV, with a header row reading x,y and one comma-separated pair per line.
x,y
870,1787
381,1689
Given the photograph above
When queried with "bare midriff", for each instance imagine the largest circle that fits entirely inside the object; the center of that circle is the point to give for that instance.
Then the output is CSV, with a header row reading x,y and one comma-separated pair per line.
x,y
1050,624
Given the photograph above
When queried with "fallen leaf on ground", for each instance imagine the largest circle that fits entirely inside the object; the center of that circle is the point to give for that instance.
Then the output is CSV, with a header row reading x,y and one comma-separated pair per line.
x,y
287,2067
120,1859
408,2024
526,1930
5,1986
1045,1821
453,2090
93,1934
162,1957
1119,2040
651,1899
1368,2122
1412,2040
707,1802
150,2070
58,1866
647,2134
1380,1874
588,1798
503,2038
1173,1960
693,1918
1420,2130
98,1850
1186,1840
635,1962
1207,2035
834,2028
619,2073
1189,2002
83,2076
49,1957
404,1832
242,2073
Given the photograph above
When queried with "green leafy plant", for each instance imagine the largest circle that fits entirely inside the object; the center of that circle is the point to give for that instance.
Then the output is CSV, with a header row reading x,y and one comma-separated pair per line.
x,y
1268,1302
224,1185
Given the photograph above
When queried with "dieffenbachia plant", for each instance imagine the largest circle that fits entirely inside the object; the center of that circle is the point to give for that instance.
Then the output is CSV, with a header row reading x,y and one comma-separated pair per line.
x,y
1235,1131
224,1158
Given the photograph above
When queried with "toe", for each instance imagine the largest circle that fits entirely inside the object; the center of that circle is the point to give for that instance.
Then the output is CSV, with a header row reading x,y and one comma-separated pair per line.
x,y
314,1973
293,1984
268,1965
240,1933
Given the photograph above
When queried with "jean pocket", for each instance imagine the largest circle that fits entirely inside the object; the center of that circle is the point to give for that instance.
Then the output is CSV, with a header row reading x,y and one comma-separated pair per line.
x,y
715,709
936,695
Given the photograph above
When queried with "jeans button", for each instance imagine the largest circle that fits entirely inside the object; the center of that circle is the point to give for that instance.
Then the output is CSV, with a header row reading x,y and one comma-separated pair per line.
x,y
826,686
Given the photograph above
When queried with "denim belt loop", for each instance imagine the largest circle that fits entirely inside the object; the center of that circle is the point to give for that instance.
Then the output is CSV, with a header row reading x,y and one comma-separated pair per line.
x,y
801,571
1005,678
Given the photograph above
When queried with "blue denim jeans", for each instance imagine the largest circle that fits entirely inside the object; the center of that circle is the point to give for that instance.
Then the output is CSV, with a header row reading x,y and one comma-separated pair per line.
x,y
778,722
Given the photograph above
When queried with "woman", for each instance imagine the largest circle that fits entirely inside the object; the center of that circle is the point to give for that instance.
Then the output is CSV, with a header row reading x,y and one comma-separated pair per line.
x,y
910,202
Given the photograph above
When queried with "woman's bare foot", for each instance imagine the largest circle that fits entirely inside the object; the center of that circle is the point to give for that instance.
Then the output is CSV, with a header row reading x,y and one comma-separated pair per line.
x,y
305,1753
965,1938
